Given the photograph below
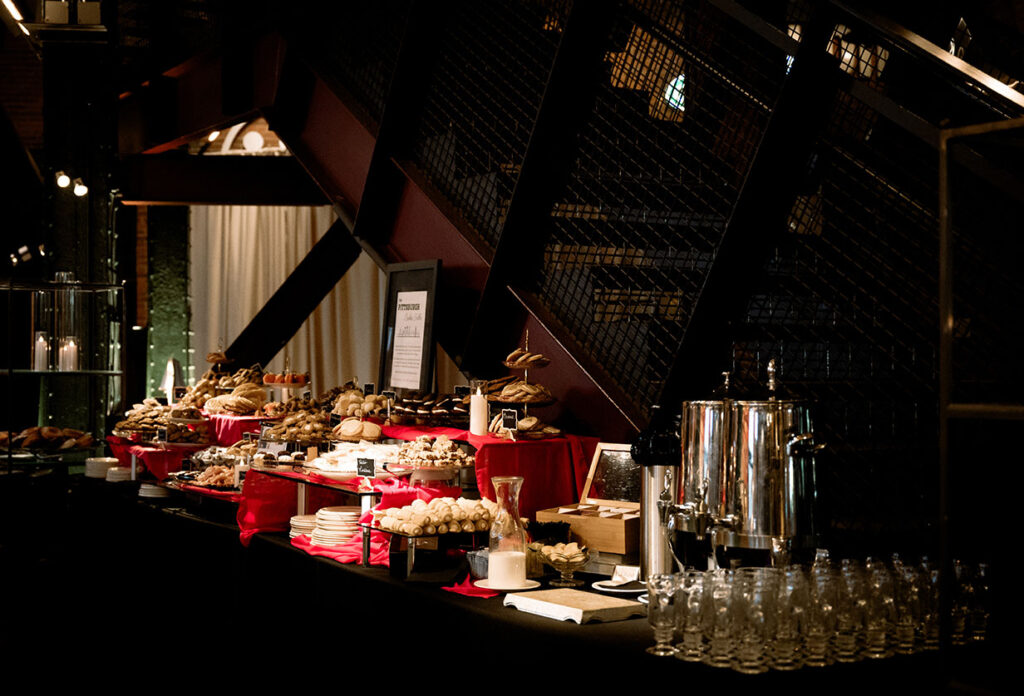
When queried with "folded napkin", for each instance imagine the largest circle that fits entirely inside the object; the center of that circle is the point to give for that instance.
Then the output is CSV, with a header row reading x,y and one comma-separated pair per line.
x,y
466,587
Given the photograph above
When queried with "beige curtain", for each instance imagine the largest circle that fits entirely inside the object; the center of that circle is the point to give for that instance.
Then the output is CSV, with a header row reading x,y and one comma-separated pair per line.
x,y
240,255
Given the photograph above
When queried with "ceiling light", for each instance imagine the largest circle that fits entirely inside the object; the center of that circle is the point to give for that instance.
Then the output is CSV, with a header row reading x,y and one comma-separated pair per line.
x,y
24,29
252,141
80,188
213,135
63,180
13,9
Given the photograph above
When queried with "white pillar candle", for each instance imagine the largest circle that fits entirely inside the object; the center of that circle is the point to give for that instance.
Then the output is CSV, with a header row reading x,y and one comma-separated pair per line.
x,y
40,353
478,414
67,355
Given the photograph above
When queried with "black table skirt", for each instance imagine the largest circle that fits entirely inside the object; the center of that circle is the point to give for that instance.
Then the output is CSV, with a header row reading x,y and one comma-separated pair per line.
x,y
175,577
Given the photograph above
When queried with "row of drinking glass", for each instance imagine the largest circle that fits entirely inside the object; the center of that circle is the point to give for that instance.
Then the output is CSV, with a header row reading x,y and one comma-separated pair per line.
x,y
751,619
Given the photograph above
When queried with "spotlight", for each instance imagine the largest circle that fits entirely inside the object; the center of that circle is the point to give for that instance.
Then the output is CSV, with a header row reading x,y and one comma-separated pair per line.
x,y
14,260
213,135
80,188
63,180
13,9
42,250
24,29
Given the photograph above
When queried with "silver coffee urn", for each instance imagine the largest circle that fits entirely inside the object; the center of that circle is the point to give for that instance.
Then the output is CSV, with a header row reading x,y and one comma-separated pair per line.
x,y
657,451
748,488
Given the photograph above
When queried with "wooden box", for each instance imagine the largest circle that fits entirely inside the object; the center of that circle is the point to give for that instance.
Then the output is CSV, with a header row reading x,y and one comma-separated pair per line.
x,y
608,516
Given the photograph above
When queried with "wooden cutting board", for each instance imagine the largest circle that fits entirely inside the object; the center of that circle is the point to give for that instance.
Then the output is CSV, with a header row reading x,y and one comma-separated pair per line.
x,y
567,604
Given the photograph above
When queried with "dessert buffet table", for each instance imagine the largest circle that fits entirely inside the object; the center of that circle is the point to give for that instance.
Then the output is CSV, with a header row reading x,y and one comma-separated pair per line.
x,y
553,470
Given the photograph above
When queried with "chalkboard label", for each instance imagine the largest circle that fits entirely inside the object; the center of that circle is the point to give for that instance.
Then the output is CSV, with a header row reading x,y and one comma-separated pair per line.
x,y
509,418
179,393
389,395
247,437
365,467
369,388
335,419
161,434
186,464
462,390
307,395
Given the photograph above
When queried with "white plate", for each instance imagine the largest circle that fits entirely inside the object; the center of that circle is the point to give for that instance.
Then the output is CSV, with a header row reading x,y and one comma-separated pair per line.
x,y
642,599
530,584
600,586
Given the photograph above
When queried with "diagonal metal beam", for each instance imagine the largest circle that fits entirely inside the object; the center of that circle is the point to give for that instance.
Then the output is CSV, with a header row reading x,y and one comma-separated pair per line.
x,y
569,95
300,293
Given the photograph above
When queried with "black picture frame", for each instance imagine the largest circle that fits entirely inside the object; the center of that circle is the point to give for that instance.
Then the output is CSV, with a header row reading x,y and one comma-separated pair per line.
x,y
409,277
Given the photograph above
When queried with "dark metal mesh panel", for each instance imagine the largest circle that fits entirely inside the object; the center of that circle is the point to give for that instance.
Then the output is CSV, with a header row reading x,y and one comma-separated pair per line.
x,y
849,302
359,44
482,101
661,159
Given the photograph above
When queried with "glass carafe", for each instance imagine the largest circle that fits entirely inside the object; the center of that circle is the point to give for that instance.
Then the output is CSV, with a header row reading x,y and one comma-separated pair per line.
x,y
506,563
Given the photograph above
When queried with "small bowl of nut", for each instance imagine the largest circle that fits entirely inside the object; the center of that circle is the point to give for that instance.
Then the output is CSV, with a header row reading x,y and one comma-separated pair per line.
x,y
566,559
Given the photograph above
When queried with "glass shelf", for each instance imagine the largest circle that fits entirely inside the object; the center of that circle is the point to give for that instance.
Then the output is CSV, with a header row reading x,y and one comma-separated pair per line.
x,y
62,373
300,474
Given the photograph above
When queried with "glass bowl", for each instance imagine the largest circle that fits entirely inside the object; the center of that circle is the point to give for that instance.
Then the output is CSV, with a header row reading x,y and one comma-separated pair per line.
x,y
566,564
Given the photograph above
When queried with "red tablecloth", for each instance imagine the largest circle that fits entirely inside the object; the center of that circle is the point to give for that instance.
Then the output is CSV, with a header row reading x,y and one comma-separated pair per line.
x,y
268,503
158,461
396,493
229,429
553,470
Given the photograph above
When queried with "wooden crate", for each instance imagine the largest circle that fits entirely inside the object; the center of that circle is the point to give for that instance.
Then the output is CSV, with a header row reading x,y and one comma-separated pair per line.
x,y
612,526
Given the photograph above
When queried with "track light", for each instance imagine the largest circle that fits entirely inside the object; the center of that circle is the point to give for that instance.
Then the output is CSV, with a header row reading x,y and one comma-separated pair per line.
x,y
80,188
63,180
13,10
213,136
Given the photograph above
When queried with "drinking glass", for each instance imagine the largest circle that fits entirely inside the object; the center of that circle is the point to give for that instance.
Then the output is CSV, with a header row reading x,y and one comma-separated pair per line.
x,y
853,599
979,610
755,596
689,617
879,616
930,616
719,618
792,603
820,623
908,608
661,589
963,597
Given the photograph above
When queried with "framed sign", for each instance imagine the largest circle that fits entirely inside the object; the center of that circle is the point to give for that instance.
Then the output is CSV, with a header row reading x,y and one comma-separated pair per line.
x,y
407,336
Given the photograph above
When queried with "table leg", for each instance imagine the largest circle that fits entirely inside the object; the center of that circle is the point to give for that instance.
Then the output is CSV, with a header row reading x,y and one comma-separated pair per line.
x,y
303,498
135,467
366,547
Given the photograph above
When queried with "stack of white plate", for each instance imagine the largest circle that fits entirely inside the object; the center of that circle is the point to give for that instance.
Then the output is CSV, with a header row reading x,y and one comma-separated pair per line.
x,y
119,473
96,467
335,525
302,524
148,490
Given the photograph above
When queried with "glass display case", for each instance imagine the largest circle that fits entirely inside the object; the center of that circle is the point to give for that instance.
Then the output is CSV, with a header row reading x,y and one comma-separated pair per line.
x,y
63,370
